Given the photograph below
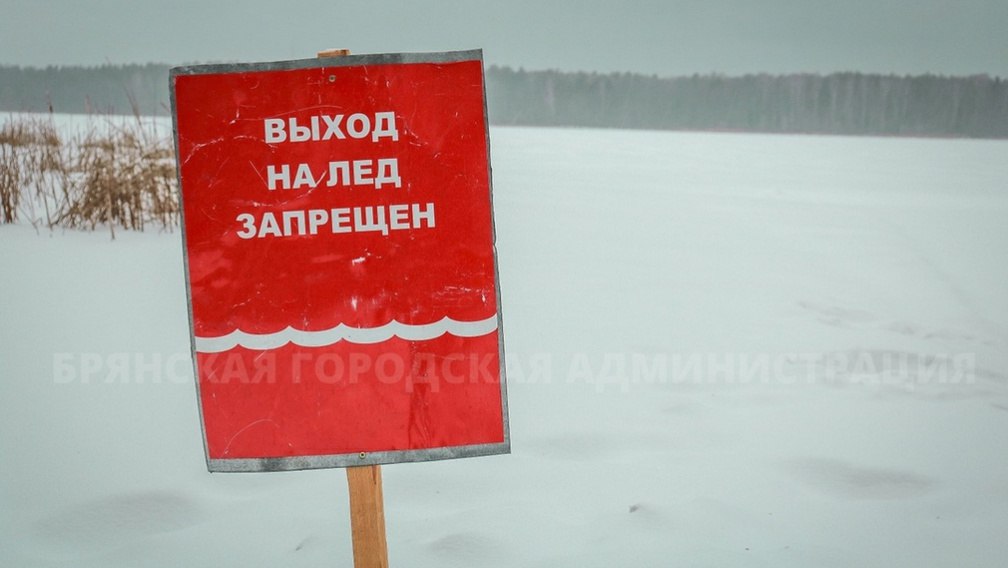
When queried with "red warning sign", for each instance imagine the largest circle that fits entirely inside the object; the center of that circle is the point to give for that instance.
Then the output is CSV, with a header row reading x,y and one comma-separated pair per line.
x,y
340,260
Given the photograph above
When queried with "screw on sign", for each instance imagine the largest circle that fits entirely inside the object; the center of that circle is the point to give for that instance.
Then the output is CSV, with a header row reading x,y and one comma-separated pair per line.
x,y
340,260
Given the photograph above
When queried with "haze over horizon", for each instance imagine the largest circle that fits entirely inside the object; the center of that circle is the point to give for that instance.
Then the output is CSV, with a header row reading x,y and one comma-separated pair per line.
x,y
683,37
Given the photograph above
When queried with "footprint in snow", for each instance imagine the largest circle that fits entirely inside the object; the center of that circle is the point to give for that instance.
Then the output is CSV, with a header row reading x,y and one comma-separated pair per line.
x,y
112,521
844,480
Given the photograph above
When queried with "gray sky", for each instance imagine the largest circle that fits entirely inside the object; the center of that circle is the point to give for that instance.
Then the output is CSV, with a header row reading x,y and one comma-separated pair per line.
x,y
665,38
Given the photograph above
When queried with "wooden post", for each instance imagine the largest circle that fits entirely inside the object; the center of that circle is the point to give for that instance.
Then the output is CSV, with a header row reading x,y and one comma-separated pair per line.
x,y
334,52
367,516
367,506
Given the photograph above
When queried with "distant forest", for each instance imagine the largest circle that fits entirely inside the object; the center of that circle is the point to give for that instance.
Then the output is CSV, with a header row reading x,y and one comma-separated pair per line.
x,y
840,103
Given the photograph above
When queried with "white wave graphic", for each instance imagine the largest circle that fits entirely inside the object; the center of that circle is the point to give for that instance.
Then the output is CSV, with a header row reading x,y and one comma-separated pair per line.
x,y
359,335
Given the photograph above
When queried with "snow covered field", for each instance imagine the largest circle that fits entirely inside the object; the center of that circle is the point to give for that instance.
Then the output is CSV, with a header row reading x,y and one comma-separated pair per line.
x,y
723,350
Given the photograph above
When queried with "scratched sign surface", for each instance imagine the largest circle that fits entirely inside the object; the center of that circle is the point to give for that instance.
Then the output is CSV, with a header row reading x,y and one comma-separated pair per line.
x,y
340,260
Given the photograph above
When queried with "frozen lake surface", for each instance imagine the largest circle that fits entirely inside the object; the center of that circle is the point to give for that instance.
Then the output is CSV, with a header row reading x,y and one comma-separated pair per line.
x,y
723,350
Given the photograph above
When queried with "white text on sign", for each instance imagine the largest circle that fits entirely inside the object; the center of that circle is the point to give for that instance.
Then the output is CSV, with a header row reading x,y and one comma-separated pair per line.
x,y
380,172
377,173
328,127
377,218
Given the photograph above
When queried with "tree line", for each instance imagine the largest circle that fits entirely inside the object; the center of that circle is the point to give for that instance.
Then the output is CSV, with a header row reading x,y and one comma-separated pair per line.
x,y
838,103
107,89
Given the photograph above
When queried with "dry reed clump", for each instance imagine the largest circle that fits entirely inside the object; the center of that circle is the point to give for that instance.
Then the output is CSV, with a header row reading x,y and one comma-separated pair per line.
x,y
31,160
113,173
10,174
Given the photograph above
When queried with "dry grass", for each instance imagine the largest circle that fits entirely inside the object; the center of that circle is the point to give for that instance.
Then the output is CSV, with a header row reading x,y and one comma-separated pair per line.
x,y
31,157
115,173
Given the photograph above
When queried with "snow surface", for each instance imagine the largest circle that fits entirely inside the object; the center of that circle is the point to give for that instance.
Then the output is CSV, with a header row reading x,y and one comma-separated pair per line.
x,y
646,277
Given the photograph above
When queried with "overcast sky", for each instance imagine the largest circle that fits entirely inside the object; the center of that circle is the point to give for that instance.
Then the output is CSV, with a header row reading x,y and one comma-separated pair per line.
x,y
665,38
